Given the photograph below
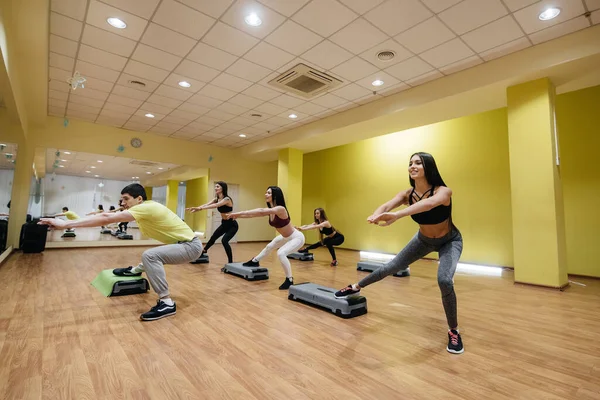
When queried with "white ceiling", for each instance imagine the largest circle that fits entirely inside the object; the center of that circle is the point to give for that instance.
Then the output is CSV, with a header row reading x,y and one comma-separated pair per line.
x,y
228,63
117,168
8,155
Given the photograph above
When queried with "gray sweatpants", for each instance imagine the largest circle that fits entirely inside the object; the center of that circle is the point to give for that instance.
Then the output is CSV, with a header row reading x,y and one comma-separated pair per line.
x,y
154,259
449,248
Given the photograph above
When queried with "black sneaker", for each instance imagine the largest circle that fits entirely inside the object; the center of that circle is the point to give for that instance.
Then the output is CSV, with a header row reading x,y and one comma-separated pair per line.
x,y
346,292
160,310
286,284
455,344
126,272
251,264
303,251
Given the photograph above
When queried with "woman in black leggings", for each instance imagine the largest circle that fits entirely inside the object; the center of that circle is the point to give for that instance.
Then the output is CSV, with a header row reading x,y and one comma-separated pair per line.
x,y
332,236
229,227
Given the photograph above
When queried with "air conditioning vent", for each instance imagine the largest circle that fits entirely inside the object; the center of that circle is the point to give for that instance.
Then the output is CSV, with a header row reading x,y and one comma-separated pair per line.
x,y
144,163
305,81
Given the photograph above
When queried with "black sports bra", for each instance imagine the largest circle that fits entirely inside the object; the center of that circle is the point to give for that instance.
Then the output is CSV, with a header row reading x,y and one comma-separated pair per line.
x,y
326,231
225,208
434,216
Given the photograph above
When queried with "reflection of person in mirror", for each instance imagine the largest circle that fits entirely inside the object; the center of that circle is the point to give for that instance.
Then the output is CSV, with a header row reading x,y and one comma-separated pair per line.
x,y
229,227
70,215
157,222
6,214
100,210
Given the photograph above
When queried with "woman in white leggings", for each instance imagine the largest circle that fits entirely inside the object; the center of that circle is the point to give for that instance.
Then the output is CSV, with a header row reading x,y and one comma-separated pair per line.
x,y
289,239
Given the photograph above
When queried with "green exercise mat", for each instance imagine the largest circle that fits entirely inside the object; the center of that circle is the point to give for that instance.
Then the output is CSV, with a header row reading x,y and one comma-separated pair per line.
x,y
110,284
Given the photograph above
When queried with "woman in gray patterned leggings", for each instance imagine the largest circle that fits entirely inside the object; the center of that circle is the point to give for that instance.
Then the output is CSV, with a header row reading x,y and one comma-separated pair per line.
x,y
429,203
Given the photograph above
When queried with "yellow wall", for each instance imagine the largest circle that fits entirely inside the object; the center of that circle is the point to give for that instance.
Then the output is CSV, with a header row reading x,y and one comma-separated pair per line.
x,y
289,179
196,194
579,141
172,195
351,181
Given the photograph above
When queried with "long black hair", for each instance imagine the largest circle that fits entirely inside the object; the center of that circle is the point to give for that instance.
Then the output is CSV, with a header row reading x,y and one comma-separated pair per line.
x,y
277,197
432,175
224,191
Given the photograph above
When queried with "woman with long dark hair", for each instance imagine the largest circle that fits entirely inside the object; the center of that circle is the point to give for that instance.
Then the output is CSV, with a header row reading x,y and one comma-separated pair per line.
x,y
333,237
429,203
289,239
228,228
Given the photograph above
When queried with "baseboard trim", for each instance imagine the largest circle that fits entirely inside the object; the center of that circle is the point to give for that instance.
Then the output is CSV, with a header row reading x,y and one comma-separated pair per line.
x,y
561,288
5,254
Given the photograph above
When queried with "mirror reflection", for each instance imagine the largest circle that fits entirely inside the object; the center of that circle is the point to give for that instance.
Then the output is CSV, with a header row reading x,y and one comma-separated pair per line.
x,y
8,158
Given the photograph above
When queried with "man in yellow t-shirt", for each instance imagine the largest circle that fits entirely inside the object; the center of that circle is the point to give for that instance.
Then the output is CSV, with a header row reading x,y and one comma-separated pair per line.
x,y
157,222
71,215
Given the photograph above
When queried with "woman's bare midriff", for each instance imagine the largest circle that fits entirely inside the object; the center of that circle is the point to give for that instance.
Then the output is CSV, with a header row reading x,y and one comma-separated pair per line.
x,y
286,230
437,230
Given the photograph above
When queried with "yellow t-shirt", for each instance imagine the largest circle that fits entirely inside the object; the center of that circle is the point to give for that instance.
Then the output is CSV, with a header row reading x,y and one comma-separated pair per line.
x,y
71,215
158,222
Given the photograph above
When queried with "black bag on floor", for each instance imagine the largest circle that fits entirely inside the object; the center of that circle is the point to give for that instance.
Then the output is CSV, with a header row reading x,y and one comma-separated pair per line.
x,y
3,234
33,237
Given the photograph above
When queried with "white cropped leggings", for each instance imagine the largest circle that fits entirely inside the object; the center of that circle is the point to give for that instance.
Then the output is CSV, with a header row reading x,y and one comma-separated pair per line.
x,y
286,246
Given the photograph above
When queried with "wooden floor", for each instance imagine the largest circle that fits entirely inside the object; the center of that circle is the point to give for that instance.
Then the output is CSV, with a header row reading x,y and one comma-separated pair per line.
x,y
233,339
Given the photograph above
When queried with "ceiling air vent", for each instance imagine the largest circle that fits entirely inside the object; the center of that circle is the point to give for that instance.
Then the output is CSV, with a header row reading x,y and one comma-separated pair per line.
x,y
305,81
144,163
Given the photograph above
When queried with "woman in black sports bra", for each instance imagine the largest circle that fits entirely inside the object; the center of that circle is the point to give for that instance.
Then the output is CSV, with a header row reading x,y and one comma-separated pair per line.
x,y
229,227
430,205
332,236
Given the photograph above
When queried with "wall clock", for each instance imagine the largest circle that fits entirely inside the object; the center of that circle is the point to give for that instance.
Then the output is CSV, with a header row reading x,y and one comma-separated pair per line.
x,y
136,142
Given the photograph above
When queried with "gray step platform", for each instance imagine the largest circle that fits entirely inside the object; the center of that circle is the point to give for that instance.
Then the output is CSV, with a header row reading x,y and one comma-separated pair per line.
x,y
125,237
69,233
371,266
106,231
248,273
322,297
301,256
203,259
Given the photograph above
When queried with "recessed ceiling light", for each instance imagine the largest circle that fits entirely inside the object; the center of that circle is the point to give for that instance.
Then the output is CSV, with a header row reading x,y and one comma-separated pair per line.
x,y
377,82
150,115
117,23
253,20
63,160
92,166
100,161
293,116
160,168
67,152
242,135
133,177
148,172
2,144
96,176
61,166
549,13
88,172
184,84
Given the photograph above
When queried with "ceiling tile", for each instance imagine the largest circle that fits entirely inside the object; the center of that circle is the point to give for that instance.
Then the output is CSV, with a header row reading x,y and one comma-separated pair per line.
x,y
245,101
361,6
270,108
288,101
212,57
400,52
98,84
229,39
146,71
447,53
231,108
217,92
261,92
420,80
514,5
505,49
205,120
174,79
57,103
241,8
196,71
125,80
141,113
173,93
141,8
142,120
268,56
184,115
425,35
352,92
70,8
107,41
395,16
287,7
110,121
64,26
167,40
387,79
131,93
59,74
53,94
57,111
247,70
471,14
596,17
86,69
133,126
397,88
211,7
115,107
204,101
461,65
293,38
59,86
283,120
358,36
164,101
494,34
175,120
77,114
101,58
318,16
156,108
354,69
592,4
165,128
78,99
125,101
555,31
98,13
63,46
329,100
310,108
440,5
156,58
183,135
62,62
220,115
326,55
182,19
82,108
528,17
409,69
92,94
193,108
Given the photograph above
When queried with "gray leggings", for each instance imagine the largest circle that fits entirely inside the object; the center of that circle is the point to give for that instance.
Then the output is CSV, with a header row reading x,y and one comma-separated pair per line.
x,y
154,259
449,248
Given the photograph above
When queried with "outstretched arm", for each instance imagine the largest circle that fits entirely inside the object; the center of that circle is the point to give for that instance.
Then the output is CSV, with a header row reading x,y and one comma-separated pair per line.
x,y
207,206
259,212
203,206
441,196
96,220
324,224
398,200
